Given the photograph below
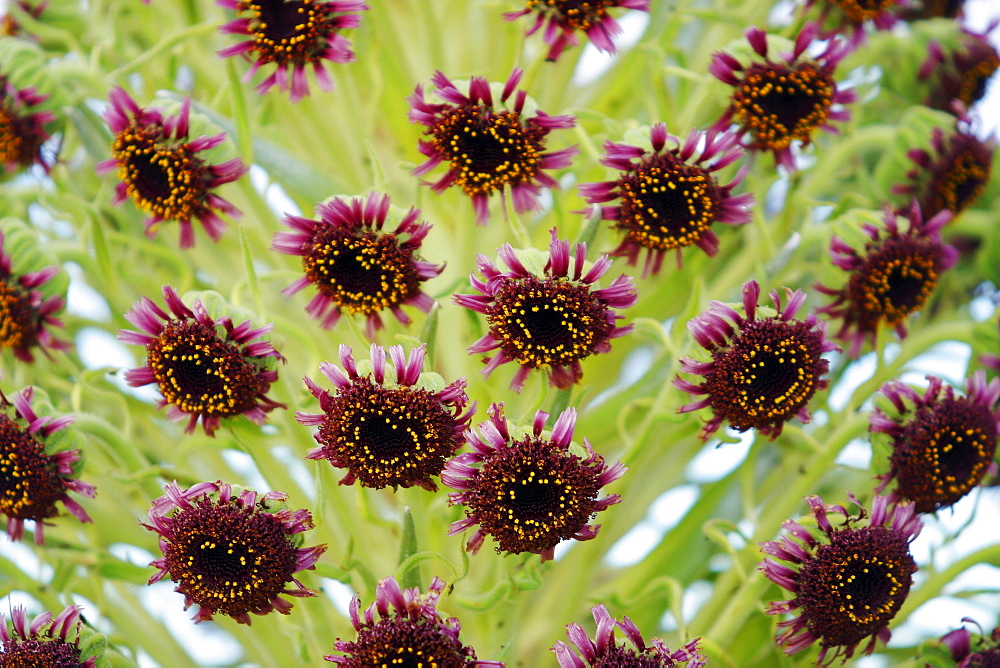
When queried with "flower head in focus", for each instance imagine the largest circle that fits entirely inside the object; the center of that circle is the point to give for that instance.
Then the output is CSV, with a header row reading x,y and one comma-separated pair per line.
x,y
668,199
892,277
982,651
292,34
25,313
778,104
953,176
388,429
355,265
961,74
45,641
231,551
852,16
603,650
22,130
764,370
402,628
34,474
848,582
562,19
528,490
159,168
488,148
942,445
206,368
549,319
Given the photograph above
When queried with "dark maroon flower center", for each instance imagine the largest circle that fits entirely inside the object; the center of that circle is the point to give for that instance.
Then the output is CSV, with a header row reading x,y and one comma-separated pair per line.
x,y
363,273
853,587
893,281
166,180
19,320
860,10
619,656
944,452
667,203
578,14
548,322
19,653
958,180
777,104
389,436
199,373
10,136
989,658
407,643
532,495
976,77
767,374
30,484
487,150
286,31
227,558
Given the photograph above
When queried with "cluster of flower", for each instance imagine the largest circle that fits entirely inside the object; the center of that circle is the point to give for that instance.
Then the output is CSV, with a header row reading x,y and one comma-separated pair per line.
x,y
232,551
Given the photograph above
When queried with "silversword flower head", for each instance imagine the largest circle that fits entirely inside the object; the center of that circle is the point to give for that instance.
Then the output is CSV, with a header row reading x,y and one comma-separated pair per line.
x,y
953,175
9,27
488,147
604,652
547,317
292,35
930,9
231,551
35,474
777,104
668,198
205,368
982,651
890,278
160,170
942,445
764,370
562,19
528,489
26,314
22,128
404,628
848,581
389,426
356,266
45,641
853,16
962,74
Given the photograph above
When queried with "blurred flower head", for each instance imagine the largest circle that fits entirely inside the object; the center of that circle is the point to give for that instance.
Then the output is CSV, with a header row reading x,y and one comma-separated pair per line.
x,y
942,445
389,427
46,641
780,103
562,19
356,267
205,368
953,175
971,652
764,370
25,313
9,27
528,490
852,16
961,74
403,627
849,582
22,129
549,319
603,650
35,474
668,199
489,148
229,550
160,170
890,278
292,35
929,9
